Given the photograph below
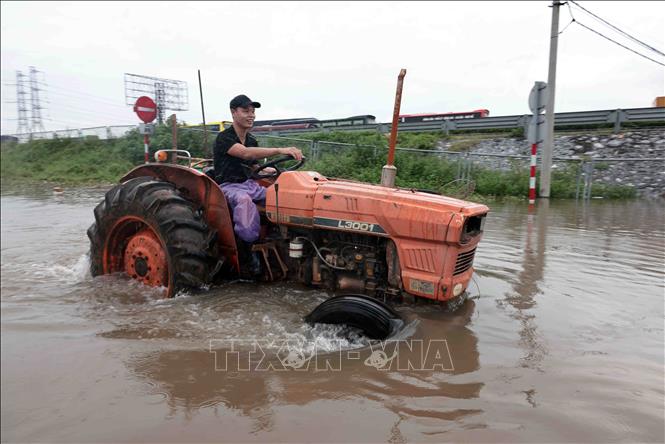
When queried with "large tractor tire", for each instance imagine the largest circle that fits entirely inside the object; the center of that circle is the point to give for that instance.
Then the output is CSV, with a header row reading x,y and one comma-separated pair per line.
x,y
374,318
144,227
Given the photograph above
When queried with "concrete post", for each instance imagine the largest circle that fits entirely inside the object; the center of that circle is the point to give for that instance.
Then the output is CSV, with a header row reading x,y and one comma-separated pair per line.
x,y
546,167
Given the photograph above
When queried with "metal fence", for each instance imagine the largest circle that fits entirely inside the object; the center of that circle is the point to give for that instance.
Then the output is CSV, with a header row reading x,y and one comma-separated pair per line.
x,y
585,172
99,132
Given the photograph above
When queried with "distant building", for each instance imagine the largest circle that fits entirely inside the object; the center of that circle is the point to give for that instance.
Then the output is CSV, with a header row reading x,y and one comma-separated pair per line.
x,y
659,101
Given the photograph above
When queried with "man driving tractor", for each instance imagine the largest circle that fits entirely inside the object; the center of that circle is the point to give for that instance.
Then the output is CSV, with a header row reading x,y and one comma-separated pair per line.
x,y
235,158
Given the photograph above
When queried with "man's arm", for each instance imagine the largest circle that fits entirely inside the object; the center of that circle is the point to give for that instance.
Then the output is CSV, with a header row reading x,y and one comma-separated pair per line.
x,y
252,153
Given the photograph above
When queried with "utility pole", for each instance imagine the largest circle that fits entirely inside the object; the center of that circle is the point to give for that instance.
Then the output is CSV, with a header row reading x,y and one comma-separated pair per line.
x,y
22,108
205,128
546,166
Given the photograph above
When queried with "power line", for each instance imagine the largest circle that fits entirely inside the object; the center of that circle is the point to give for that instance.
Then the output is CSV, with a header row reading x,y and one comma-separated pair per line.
x,y
78,98
79,124
566,27
101,110
87,108
72,110
614,41
572,18
72,104
618,30
108,101
76,124
92,109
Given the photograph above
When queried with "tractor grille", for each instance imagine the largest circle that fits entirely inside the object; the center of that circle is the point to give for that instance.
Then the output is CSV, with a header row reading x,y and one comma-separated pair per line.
x,y
464,261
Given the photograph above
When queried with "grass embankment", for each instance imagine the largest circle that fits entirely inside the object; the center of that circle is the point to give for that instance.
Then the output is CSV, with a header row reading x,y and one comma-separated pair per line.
x,y
90,161
63,161
81,161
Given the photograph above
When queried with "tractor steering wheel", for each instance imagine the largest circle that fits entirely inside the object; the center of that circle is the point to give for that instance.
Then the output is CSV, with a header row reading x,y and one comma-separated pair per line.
x,y
278,170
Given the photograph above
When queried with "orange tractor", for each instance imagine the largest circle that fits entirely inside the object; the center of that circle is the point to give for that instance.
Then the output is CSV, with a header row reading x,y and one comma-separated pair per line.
x,y
169,225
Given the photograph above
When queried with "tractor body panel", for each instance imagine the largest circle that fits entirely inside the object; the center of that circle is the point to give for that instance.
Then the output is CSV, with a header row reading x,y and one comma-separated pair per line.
x,y
434,242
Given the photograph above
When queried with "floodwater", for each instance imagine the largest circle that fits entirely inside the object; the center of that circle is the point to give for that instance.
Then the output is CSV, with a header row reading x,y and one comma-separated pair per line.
x,y
562,342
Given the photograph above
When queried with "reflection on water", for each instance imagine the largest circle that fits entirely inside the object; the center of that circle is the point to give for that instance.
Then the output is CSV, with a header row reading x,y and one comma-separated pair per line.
x,y
188,380
563,342
526,288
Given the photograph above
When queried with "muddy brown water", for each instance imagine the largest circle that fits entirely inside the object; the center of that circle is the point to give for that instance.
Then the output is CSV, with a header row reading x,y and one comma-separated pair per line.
x,y
562,342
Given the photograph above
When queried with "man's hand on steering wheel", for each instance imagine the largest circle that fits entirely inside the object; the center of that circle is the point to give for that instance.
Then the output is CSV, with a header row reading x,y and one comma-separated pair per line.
x,y
293,152
261,170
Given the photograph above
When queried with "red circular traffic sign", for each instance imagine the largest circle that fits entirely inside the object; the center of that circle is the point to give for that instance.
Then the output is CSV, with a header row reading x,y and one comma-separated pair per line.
x,y
146,109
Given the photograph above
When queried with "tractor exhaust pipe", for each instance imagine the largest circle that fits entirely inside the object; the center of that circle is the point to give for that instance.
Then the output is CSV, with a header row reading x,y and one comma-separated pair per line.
x,y
389,171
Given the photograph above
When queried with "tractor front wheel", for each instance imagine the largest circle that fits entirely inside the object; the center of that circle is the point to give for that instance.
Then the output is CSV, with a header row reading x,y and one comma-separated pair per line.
x,y
146,229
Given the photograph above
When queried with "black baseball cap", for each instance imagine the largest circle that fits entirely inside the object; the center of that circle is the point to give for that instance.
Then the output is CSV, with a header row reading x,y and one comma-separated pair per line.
x,y
243,101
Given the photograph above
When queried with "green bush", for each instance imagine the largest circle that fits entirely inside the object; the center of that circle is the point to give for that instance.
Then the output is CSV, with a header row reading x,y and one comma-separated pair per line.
x,y
421,141
517,133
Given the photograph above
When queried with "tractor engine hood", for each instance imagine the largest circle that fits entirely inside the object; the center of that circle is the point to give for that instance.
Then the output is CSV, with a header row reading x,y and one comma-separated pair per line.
x,y
309,199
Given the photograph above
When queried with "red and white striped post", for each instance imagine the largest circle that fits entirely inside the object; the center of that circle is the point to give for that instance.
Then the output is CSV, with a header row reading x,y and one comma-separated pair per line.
x,y
532,177
538,98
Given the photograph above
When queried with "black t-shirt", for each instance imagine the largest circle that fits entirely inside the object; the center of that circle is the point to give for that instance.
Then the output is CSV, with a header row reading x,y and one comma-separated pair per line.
x,y
230,168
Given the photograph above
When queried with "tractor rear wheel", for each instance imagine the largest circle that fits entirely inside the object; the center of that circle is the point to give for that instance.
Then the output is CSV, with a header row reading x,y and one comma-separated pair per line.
x,y
145,228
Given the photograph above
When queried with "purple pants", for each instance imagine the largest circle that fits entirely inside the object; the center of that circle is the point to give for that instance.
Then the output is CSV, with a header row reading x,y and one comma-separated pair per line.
x,y
241,197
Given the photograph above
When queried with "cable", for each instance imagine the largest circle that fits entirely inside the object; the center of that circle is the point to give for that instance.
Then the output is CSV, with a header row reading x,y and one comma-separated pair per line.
x,y
72,96
78,125
82,122
572,18
614,41
110,101
320,256
79,104
566,27
91,108
617,29
98,108
67,123
87,111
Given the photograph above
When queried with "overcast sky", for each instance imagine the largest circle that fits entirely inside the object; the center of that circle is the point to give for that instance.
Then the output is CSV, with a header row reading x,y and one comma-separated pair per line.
x,y
326,59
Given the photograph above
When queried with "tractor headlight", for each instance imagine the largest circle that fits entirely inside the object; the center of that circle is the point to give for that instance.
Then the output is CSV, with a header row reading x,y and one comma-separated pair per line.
x,y
457,289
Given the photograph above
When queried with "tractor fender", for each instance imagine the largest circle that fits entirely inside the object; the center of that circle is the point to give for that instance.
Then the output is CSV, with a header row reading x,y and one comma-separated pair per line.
x,y
376,319
202,190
